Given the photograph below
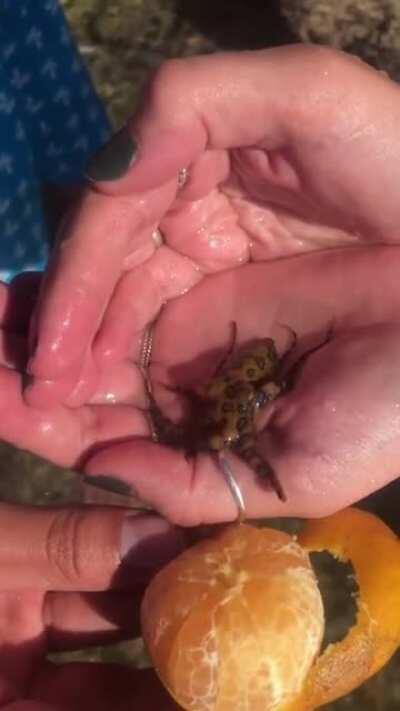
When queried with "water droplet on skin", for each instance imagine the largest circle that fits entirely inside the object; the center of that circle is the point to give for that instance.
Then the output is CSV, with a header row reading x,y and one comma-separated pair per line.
x,y
214,242
110,397
46,427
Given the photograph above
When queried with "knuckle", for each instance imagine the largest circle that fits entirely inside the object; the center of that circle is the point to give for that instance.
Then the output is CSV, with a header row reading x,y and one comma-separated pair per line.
x,y
65,553
323,56
170,81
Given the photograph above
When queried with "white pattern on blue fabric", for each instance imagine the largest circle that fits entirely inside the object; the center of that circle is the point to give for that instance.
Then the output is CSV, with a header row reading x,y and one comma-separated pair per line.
x,y
51,6
53,151
7,105
50,69
19,249
44,128
9,50
81,144
10,228
28,210
35,38
18,79
73,122
22,188
76,66
62,96
4,205
20,134
51,122
6,163
33,106
65,37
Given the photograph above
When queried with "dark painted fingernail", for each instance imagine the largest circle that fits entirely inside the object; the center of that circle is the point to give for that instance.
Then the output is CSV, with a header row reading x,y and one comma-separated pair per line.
x,y
114,159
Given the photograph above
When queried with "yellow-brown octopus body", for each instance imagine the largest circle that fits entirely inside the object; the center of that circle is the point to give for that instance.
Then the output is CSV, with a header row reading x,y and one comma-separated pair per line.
x,y
224,410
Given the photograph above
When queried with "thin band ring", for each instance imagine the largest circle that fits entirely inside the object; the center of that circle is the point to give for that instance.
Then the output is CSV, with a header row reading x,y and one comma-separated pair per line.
x,y
182,177
157,238
233,486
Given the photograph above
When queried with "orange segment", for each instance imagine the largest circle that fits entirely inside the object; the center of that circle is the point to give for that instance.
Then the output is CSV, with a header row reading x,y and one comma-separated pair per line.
x,y
374,551
235,622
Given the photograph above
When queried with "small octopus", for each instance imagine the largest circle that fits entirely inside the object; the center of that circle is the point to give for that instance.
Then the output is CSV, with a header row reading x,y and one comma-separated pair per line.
x,y
223,410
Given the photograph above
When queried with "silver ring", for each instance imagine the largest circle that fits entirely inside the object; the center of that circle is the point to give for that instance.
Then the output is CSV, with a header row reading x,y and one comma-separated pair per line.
x,y
182,177
233,486
157,238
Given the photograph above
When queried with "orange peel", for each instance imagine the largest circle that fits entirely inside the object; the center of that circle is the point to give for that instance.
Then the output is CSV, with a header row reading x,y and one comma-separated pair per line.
x,y
374,550
236,621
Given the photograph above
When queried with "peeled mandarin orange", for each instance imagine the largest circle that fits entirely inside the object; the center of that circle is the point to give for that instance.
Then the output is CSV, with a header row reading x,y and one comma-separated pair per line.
x,y
235,622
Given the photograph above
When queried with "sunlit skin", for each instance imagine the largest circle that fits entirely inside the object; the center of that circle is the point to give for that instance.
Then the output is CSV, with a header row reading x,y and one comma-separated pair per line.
x,y
322,172
71,578
318,189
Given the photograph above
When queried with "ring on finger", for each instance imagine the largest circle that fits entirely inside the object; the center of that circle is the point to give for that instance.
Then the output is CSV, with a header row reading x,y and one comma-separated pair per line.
x,y
233,485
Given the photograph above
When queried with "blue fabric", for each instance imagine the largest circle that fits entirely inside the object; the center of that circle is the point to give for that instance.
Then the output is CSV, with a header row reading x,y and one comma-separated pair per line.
x,y
51,121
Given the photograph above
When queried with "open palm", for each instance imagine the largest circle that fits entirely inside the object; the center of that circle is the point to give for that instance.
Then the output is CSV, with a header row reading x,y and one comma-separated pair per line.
x,y
294,166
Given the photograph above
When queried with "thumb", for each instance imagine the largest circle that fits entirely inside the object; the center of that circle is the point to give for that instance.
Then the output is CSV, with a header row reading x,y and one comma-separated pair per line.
x,y
78,548
191,105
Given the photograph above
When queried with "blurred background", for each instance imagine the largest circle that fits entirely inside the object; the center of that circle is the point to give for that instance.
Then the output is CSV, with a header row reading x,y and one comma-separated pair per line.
x,y
122,42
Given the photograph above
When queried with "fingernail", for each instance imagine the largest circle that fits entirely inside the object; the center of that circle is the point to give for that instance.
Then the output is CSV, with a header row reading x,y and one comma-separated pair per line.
x,y
149,541
114,159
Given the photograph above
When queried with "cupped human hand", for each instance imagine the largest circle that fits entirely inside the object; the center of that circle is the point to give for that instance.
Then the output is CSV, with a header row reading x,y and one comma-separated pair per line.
x,y
333,437
288,150
292,165
70,579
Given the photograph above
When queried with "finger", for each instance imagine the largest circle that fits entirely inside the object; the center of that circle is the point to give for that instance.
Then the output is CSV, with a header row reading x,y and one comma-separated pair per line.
x,y
80,549
61,434
78,620
171,130
308,295
188,492
169,141
101,240
102,687
206,102
76,384
103,380
330,442
138,299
